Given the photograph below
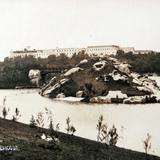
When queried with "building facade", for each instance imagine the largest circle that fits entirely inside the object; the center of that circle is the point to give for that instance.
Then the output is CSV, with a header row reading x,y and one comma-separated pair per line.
x,y
128,49
100,51
143,51
45,53
34,53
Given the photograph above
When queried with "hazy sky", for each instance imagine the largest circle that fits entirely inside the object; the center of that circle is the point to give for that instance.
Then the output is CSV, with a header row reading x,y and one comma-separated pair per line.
x,y
78,23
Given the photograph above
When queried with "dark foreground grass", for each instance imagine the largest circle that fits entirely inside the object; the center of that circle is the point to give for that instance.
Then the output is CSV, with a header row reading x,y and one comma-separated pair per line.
x,y
31,147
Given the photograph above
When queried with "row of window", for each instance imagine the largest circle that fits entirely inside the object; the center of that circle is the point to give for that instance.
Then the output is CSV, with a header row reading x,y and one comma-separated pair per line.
x,y
102,53
101,49
46,54
33,54
66,50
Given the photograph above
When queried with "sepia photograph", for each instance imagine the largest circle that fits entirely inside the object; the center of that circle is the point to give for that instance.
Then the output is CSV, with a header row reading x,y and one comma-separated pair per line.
x,y
79,80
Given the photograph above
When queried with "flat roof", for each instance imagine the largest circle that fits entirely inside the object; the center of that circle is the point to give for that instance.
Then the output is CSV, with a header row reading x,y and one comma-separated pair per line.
x,y
144,50
27,51
103,46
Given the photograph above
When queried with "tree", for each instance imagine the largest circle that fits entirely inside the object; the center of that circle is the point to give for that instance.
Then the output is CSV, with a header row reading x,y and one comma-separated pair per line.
x,y
113,136
49,114
147,143
33,122
70,128
99,127
5,110
88,92
120,53
76,58
40,120
17,115
102,130
62,60
109,137
57,127
68,124
51,127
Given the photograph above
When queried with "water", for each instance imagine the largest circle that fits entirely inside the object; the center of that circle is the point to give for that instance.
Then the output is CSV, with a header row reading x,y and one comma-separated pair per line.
x,y
132,121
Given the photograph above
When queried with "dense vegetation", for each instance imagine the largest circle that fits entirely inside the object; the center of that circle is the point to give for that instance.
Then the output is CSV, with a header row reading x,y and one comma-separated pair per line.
x,y
142,63
14,72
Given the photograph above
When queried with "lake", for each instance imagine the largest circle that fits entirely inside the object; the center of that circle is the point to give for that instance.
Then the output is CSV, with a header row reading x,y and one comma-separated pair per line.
x,y
132,121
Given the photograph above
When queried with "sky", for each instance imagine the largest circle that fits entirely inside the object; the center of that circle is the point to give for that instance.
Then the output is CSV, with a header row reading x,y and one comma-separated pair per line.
x,y
46,24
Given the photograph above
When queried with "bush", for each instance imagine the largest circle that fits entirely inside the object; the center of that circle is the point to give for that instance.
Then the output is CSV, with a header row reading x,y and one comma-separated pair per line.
x,y
147,143
110,137
102,130
33,122
70,128
142,63
17,115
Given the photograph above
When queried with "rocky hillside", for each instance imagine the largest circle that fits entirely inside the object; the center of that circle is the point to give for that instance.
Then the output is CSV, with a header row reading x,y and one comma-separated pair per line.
x,y
104,81
29,144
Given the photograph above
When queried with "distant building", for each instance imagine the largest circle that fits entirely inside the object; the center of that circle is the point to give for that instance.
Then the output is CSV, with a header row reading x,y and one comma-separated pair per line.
x,y
128,49
100,51
44,53
143,51
26,52
68,51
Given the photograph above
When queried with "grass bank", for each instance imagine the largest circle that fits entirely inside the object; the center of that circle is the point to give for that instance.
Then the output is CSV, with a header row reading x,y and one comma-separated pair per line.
x,y
31,147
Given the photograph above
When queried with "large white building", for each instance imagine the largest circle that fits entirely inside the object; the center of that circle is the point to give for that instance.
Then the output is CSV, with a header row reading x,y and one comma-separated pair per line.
x,y
45,52
90,50
102,50
35,53
143,51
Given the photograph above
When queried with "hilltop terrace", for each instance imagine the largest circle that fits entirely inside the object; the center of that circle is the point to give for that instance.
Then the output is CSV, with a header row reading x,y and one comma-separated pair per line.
x,y
99,50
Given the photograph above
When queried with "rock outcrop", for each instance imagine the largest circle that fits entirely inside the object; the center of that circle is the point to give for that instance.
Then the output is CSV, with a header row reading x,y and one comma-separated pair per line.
x,y
103,81
112,97
66,86
35,77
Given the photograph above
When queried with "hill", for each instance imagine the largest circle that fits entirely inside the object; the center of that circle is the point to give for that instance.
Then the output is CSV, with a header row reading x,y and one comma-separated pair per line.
x,y
103,80
30,146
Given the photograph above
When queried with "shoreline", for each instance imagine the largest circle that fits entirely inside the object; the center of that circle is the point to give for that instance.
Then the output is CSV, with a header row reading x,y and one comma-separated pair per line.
x,y
93,100
98,101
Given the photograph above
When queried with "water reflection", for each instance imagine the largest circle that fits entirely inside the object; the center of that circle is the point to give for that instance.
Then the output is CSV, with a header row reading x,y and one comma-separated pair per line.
x,y
133,121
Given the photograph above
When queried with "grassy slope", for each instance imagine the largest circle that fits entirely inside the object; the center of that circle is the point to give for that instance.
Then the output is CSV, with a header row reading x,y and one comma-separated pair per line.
x,y
69,148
